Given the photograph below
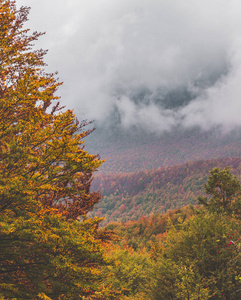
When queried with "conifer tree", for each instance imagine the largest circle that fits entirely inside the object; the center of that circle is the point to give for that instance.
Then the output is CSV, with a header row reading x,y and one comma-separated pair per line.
x,y
224,189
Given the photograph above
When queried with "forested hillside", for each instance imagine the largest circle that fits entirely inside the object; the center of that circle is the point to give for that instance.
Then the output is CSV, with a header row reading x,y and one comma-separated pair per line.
x,y
129,196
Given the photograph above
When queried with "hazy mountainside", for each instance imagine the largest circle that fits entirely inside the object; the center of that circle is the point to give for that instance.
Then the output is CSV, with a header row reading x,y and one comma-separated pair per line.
x,y
129,196
136,150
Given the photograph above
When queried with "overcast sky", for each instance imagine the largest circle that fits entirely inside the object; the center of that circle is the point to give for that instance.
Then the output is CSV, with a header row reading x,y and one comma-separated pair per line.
x,y
123,58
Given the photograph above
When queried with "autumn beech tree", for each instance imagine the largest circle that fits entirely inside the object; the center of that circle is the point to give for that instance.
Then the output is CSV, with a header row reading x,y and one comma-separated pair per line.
x,y
42,158
45,177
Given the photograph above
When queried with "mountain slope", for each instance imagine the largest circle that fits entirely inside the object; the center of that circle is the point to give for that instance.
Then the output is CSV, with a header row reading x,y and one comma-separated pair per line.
x,y
129,196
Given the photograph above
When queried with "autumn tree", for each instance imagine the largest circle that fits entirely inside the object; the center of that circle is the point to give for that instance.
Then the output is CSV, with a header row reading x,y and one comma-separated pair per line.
x,y
45,177
41,146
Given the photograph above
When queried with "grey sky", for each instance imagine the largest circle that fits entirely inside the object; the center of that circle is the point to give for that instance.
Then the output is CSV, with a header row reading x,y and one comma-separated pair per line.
x,y
108,52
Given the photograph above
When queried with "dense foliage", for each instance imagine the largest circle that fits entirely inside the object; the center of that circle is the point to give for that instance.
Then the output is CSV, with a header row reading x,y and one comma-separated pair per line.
x,y
199,260
145,232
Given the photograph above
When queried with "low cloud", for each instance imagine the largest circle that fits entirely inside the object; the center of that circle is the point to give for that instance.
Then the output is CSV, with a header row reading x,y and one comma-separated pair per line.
x,y
158,64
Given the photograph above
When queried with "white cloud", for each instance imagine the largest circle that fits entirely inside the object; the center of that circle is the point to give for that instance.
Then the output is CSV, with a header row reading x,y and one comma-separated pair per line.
x,y
107,51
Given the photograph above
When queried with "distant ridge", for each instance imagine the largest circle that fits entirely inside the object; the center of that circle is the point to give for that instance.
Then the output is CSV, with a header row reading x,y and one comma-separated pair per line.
x,y
136,150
